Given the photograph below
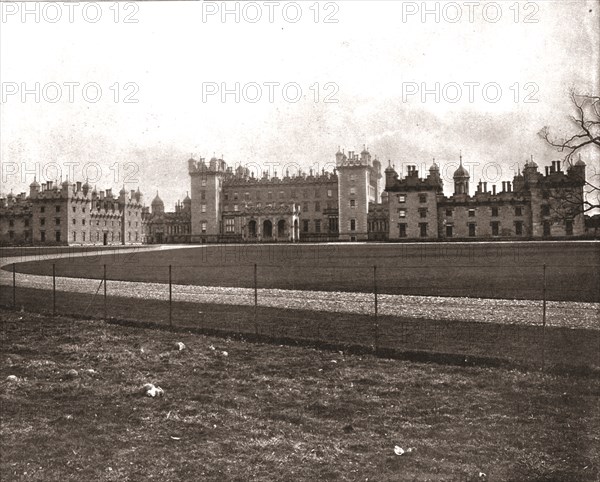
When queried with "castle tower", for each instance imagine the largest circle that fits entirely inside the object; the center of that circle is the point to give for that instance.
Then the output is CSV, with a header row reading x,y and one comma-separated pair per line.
x,y
206,183
354,192
461,180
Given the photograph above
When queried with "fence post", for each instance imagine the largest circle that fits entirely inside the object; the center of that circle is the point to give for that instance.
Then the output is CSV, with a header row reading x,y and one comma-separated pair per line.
x,y
14,287
104,282
53,289
255,298
376,309
544,319
170,299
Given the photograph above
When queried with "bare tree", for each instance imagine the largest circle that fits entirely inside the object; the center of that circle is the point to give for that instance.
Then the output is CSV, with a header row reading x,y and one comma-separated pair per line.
x,y
586,124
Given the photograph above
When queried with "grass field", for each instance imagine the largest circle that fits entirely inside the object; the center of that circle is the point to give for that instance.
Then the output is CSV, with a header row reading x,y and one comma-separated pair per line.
x,y
265,412
490,270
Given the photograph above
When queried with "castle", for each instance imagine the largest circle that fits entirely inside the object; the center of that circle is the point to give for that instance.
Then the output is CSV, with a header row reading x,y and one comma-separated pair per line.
x,y
349,204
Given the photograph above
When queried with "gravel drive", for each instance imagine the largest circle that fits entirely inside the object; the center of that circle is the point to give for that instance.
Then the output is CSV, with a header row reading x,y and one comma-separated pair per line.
x,y
559,313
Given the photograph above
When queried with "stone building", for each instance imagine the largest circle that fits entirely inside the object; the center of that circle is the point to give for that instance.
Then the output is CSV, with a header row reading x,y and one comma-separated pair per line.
x,y
71,214
167,227
349,204
532,205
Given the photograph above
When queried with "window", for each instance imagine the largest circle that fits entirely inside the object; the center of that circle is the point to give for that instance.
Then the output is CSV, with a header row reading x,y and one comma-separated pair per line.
x,y
317,225
236,208
269,195
494,212
402,227
423,230
422,198
352,191
569,227
74,235
317,193
57,221
329,193
83,210
305,225
83,222
11,234
74,221
471,213
545,194
495,228
42,209
226,196
352,203
317,206
546,228
545,210
203,226
229,225
97,236
26,222
353,225
258,205
449,213
11,222
74,209
401,198
472,229
305,193
203,195
518,211
42,221
129,236
293,194
449,230
247,196
305,207
57,209
235,196
43,236
352,177
281,194
519,228
83,236
203,208
56,236
401,213
422,212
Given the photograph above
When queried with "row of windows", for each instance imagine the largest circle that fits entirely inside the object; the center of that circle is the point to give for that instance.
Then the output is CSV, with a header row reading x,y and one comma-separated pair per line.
x,y
282,194
11,222
402,198
494,212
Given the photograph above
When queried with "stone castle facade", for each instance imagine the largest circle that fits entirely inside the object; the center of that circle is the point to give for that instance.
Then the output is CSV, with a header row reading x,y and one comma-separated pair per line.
x,y
355,202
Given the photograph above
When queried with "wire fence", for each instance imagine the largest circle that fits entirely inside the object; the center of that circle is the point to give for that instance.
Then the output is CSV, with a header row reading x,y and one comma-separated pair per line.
x,y
532,320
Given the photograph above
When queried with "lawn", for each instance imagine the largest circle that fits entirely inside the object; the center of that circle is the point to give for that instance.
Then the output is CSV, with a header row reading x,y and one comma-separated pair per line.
x,y
488,270
268,412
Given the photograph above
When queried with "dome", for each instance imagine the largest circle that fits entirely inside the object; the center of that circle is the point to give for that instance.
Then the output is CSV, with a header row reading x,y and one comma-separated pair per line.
x,y
461,172
187,199
65,183
34,183
531,163
123,191
580,163
157,201
434,167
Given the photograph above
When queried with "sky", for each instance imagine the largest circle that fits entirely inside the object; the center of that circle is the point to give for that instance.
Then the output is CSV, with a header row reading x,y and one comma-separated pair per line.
x,y
123,94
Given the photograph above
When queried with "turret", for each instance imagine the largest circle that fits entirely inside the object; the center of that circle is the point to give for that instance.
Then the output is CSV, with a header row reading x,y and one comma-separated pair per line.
x,y
461,179
34,188
158,206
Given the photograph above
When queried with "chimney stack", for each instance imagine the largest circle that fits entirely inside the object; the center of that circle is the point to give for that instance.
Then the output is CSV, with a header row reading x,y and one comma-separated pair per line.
x,y
485,186
78,186
494,190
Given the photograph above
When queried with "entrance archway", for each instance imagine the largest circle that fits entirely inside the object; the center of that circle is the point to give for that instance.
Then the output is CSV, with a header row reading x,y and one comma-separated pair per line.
x,y
281,229
252,229
267,229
